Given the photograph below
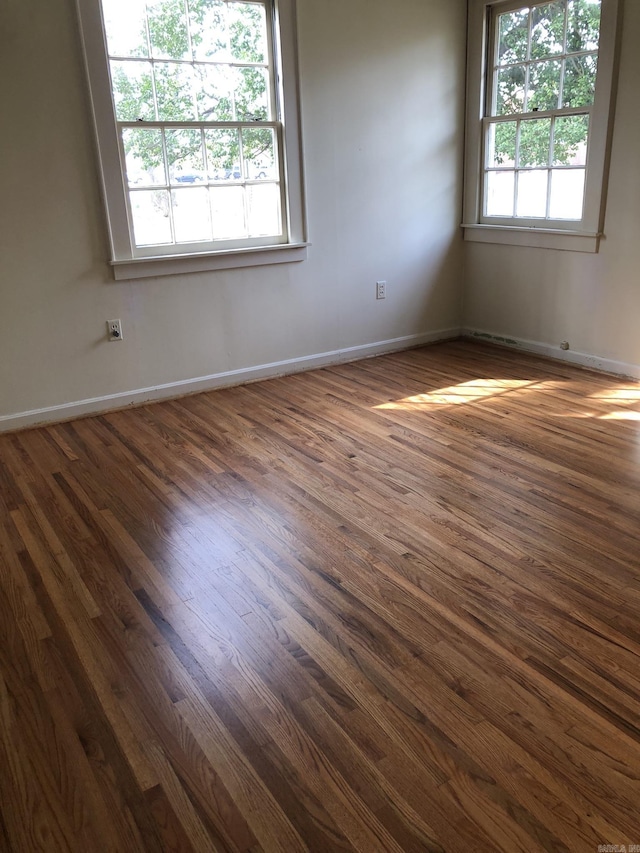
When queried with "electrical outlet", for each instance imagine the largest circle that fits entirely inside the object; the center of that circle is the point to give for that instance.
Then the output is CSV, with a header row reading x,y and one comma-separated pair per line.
x,y
381,289
564,345
114,330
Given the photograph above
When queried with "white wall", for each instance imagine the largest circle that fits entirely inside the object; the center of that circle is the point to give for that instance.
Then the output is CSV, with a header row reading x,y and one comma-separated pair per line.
x,y
382,88
592,301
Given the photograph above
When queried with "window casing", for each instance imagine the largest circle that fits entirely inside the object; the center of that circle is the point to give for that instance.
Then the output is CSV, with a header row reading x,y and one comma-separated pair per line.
x,y
538,121
195,105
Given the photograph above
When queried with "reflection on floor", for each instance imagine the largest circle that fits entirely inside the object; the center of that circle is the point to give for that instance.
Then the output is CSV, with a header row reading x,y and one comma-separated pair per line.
x,y
386,606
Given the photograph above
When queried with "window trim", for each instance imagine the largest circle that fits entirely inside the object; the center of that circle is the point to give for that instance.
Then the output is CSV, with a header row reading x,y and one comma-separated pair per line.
x,y
125,260
583,235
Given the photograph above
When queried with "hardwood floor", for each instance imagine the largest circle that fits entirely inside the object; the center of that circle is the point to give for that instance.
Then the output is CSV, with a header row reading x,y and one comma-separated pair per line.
x,y
386,606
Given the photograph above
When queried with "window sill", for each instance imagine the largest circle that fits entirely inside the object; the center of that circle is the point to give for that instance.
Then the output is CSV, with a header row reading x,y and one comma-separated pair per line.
x,y
159,265
537,238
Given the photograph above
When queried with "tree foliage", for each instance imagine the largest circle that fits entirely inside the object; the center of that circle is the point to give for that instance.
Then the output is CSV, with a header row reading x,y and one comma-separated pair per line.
x,y
540,34
197,74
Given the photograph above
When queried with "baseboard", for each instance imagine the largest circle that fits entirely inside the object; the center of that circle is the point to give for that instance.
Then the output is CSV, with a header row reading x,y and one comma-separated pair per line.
x,y
581,359
172,390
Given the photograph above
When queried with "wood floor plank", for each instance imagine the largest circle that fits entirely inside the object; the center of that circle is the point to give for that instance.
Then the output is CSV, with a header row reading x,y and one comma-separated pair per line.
x,y
382,606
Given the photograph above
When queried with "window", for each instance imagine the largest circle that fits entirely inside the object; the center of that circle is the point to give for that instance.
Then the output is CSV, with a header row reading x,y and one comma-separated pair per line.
x,y
536,149
196,112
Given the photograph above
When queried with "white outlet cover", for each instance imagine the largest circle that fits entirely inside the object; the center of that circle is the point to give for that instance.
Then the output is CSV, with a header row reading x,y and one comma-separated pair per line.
x,y
113,325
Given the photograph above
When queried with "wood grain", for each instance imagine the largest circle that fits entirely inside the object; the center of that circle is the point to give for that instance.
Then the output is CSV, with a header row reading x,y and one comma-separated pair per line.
x,y
386,606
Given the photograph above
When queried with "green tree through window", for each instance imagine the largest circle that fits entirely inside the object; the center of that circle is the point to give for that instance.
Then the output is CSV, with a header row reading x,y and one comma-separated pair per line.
x,y
541,95
221,93
547,36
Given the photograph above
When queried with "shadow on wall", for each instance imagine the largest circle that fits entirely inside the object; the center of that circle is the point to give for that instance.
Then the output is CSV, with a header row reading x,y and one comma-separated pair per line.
x,y
441,295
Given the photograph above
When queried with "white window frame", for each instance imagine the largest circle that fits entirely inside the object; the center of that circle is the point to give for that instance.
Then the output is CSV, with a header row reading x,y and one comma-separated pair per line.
x,y
131,262
578,235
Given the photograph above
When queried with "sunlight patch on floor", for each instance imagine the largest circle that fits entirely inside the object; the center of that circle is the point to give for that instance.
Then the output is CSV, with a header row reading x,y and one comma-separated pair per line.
x,y
466,392
619,395
620,416
624,395
477,390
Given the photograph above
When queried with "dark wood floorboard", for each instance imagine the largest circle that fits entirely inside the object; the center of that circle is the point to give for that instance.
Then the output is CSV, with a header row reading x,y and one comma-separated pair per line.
x,y
386,606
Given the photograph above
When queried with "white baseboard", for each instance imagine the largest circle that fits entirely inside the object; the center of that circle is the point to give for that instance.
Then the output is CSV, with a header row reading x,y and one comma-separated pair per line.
x,y
172,390
594,362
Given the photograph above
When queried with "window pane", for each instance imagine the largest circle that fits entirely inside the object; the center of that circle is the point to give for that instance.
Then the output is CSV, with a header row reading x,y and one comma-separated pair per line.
x,y
248,32
133,91
264,210
174,92
150,211
250,86
223,153
571,137
532,194
227,213
535,143
510,94
583,30
501,144
547,30
144,157
184,153
580,81
546,62
125,24
207,19
513,37
500,186
168,29
259,149
544,86
567,193
191,215
214,93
